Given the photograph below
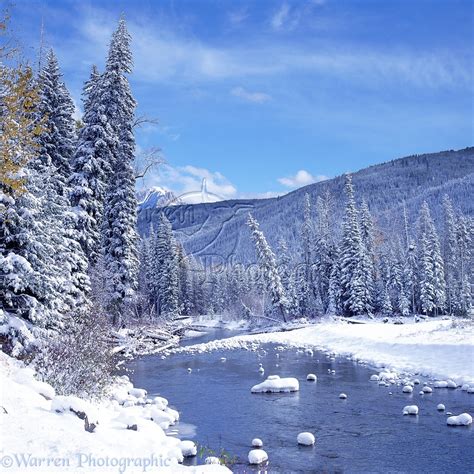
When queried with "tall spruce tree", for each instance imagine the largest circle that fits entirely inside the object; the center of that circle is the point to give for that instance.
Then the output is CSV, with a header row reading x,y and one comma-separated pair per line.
x,y
269,270
432,284
91,167
355,263
54,153
119,236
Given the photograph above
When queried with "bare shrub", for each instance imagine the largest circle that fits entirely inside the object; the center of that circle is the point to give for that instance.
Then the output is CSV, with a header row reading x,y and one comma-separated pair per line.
x,y
78,361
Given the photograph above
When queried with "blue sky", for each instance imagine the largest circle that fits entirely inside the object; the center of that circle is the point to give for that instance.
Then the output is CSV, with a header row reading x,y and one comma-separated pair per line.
x,y
262,96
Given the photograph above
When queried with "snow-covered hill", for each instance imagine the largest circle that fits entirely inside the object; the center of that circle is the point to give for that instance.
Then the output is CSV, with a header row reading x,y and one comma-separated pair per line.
x,y
219,228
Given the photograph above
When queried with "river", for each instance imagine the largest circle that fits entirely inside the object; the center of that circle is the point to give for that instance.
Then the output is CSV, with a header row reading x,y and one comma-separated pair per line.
x,y
364,433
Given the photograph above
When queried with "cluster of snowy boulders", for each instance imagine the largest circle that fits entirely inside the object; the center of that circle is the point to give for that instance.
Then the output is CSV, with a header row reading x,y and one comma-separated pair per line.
x,y
259,456
387,378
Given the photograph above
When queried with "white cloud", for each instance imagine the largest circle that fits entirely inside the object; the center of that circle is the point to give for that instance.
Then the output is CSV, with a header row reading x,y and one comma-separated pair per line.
x,y
187,182
301,178
162,55
280,17
255,97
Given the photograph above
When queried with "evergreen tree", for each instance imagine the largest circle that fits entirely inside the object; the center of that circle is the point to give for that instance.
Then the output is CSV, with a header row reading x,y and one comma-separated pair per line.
x,y
450,253
28,270
91,166
267,264
355,264
166,269
54,153
335,288
119,237
465,241
432,284
324,248
57,139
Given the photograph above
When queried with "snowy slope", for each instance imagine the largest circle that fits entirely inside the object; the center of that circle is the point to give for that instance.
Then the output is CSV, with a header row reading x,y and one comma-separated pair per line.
x,y
219,228
439,348
33,432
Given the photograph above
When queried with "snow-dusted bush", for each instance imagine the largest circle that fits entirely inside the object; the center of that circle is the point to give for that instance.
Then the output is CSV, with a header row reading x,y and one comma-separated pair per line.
x,y
77,361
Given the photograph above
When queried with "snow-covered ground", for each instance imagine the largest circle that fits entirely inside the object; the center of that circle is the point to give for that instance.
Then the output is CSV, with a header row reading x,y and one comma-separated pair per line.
x,y
40,432
439,348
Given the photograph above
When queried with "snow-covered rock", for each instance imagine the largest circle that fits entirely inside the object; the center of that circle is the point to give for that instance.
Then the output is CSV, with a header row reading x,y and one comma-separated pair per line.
x,y
440,407
274,384
257,456
407,389
470,390
452,384
342,396
306,439
388,376
440,384
416,381
160,402
427,389
64,404
188,448
138,392
311,378
164,418
464,419
410,410
257,443
374,378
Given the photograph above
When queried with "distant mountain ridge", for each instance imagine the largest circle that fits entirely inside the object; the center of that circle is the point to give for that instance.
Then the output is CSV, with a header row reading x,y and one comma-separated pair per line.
x,y
156,197
218,230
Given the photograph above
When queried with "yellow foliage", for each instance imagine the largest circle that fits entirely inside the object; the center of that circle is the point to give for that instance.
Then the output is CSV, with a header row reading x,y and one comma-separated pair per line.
x,y
18,129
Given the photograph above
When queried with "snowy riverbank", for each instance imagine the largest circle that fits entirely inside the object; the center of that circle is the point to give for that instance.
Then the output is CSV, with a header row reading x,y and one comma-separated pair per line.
x,y
439,348
46,433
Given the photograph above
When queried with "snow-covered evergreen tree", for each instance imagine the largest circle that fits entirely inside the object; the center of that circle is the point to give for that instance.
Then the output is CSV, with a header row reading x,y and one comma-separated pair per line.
x,y
54,153
465,241
324,248
166,269
91,167
119,237
29,275
268,266
432,284
355,263
335,288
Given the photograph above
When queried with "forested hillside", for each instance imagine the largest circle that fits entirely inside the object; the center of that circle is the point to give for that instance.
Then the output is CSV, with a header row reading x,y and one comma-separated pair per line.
x,y
218,230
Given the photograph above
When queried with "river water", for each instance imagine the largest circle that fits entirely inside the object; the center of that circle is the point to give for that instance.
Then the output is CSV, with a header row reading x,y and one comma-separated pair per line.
x,y
365,433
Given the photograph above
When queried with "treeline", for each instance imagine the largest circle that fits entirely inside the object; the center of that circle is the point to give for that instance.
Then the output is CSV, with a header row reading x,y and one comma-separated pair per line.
x,y
363,272
68,241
